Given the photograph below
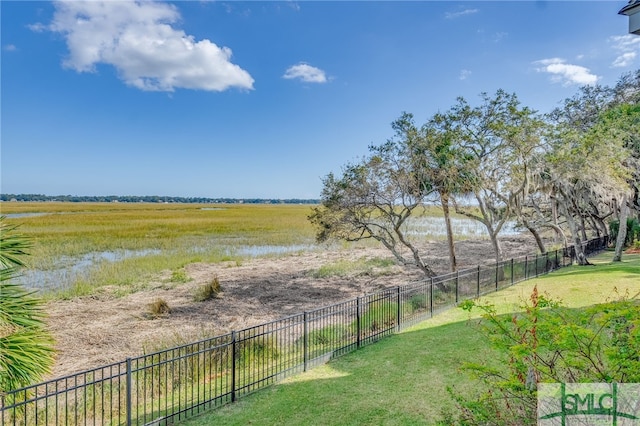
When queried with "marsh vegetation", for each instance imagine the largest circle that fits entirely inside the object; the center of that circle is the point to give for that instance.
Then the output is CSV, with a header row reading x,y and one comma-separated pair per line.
x,y
81,247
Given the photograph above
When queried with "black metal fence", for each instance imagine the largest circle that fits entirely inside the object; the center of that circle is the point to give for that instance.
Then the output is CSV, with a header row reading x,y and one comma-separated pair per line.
x,y
164,387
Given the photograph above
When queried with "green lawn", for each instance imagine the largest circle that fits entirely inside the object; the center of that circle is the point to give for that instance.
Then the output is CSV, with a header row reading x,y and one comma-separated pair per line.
x,y
402,380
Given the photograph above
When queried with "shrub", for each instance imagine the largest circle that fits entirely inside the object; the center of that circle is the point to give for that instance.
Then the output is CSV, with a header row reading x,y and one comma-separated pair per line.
x,y
208,291
159,308
633,230
549,343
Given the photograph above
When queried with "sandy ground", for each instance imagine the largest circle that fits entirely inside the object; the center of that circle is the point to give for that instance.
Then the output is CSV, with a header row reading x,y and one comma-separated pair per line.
x,y
101,329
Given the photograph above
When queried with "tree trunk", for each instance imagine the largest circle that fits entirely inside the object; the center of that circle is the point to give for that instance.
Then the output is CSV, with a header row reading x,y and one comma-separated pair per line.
x,y
496,244
536,235
575,234
583,228
622,230
444,200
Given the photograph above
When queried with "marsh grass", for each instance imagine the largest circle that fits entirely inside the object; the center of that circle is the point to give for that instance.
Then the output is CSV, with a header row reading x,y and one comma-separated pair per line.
x,y
175,340
208,291
181,233
158,308
180,276
173,234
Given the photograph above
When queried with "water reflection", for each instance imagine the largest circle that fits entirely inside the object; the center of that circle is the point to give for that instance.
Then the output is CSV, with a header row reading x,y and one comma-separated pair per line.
x,y
462,227
255,251
19,215
72,267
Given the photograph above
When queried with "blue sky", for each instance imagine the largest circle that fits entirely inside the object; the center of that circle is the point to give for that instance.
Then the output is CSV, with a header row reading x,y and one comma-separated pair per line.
x,y
264,99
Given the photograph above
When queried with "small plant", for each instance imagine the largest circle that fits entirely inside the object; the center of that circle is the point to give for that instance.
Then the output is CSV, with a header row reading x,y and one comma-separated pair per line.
x,y
159,308
256,349
379,316
179,276
329,334
208,291
418,302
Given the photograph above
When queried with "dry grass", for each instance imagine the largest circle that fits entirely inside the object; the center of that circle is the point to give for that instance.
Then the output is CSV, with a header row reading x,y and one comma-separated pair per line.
x,y
208,291
159,308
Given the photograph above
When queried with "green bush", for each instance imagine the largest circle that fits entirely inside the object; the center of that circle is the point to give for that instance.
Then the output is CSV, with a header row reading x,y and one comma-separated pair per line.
x,y
549,343
633,231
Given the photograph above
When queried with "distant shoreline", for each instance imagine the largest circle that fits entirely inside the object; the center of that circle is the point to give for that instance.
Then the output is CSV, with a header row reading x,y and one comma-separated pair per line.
x,y
149,199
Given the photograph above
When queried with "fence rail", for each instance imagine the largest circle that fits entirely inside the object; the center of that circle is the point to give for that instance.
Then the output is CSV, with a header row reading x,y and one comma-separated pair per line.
x,y
170,385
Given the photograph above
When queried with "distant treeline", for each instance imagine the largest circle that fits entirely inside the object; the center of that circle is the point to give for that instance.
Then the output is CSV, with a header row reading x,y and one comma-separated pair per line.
x,y
148,199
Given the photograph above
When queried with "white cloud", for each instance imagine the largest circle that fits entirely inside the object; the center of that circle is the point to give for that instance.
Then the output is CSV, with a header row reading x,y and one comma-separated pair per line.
x,y
465,74
306,73
565,73
293,5
624,60
453,15
628,47
9,48
140,41
498,37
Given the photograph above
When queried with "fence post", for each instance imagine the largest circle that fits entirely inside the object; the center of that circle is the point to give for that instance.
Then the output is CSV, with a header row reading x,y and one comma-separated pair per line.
x,y
305,340
233,366
398,310
526,267
512,271
478,283
555,264
358,320
431,298
497,264
128,395
457,280
536,266
546,263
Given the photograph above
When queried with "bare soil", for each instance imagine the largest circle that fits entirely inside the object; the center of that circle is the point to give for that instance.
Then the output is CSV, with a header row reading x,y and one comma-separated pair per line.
x,y
104,328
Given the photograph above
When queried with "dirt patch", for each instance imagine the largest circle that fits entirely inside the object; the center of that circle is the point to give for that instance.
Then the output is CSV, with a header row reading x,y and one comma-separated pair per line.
x,y
101,329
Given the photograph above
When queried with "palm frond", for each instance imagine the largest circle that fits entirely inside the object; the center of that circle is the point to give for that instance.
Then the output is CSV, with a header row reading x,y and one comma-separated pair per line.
x,y
13,246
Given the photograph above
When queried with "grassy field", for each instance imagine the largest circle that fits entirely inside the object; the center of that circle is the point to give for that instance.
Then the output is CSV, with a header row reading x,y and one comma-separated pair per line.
x,y
402,380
